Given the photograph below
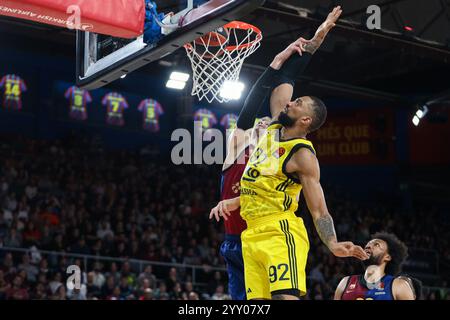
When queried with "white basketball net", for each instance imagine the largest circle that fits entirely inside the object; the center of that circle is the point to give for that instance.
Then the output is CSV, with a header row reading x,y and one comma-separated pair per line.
x,y
218,57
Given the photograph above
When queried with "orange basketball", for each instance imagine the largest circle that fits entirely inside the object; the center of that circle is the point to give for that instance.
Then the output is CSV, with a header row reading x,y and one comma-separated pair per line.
x,y
215,38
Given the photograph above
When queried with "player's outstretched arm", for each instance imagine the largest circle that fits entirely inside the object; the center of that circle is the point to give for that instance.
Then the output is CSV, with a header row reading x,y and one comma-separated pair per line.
x,y
305,164
284,85
340,288
224,208
323,30
258,93
292,65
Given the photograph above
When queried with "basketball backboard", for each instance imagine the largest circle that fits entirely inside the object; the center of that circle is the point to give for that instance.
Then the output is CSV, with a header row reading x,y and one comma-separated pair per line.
x,y
102,59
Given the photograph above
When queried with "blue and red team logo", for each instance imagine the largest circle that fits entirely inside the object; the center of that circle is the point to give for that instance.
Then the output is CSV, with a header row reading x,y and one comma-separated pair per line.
x,y
78,99
14,87
116,105
151,111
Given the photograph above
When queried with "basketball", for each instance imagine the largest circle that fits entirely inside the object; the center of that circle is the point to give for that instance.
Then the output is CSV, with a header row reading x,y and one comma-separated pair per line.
x,y
216,38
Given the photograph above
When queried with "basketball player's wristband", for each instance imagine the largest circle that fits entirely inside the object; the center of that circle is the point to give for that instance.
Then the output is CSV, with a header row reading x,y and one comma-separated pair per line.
x,y
294,67
255,98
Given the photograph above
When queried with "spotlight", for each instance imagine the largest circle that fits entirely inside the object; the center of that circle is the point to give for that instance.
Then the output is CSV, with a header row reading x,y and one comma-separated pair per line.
x,y
179,76
420,113
177,80
232,90
174,84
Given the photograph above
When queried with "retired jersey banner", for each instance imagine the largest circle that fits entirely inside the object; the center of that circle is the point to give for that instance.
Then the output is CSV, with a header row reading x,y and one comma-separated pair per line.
x,y
151,111
207,118
78,100
356,137
13,86
116,105
229,121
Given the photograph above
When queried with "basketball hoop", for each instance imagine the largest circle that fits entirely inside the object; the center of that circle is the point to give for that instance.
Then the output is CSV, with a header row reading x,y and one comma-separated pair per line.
x,y
219,55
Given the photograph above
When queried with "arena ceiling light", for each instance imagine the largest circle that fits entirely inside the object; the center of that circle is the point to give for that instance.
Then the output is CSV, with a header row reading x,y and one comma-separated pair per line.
x,y
232,90
420,113
179,76
174,84
177,80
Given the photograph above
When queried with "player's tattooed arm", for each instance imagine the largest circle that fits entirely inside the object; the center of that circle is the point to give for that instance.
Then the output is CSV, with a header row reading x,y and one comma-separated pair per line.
x,y
325,228
309,174
323,30
305,164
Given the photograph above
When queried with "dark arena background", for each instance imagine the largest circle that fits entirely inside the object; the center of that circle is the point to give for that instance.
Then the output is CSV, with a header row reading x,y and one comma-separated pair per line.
x,y
103,195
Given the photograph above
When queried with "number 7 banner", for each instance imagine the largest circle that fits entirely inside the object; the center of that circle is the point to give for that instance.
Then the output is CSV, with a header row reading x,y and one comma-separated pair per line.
x,y
116,104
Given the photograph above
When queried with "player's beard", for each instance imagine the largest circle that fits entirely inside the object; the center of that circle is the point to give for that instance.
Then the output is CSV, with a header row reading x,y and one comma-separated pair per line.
x,y
285,120
373,260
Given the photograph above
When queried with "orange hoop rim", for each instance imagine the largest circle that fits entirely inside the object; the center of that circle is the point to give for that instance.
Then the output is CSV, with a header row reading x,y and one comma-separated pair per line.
x,y
244,26
215,39
235,25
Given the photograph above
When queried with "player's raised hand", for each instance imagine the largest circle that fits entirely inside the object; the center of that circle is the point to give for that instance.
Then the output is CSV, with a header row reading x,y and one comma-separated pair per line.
x,y
224,208
298,46
348,249
328,24
302,45
333,16
323,30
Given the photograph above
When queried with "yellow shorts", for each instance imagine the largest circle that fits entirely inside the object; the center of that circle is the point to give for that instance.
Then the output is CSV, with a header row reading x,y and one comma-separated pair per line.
x,y
275,250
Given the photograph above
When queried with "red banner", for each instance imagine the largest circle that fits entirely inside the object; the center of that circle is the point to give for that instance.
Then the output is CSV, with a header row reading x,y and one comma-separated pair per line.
x,y
118,18
429,141
356,137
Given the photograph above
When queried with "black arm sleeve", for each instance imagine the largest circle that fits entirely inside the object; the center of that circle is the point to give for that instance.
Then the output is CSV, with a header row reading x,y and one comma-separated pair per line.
x,y
270,79
295,66
255,98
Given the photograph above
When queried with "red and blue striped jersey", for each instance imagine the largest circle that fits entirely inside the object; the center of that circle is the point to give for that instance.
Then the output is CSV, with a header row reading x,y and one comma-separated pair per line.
x,y
78,99
358,289
206,117
116,104
229,121
151,111
231,188
14,87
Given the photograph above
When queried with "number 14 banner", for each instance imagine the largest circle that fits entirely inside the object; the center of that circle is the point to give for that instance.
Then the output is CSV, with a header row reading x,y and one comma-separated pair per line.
x,y
14,87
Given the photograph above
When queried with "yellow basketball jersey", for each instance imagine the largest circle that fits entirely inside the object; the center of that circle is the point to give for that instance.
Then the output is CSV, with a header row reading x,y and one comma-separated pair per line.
x,y
266,187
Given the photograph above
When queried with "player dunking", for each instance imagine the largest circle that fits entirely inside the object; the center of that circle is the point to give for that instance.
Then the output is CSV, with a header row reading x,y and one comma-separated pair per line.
x,y
275,244
380,280
241,144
